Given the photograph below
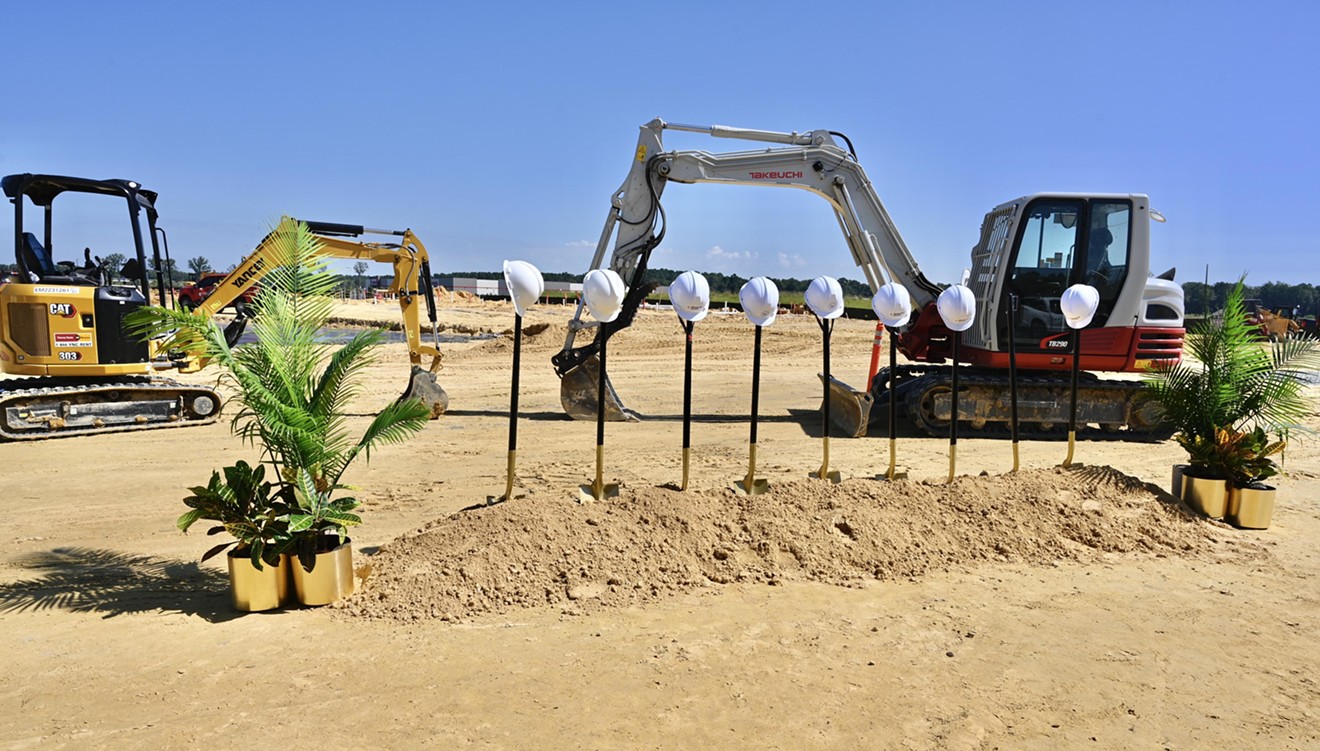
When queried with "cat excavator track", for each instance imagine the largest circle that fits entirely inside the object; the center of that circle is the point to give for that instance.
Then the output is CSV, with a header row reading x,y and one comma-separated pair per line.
x,y
36,408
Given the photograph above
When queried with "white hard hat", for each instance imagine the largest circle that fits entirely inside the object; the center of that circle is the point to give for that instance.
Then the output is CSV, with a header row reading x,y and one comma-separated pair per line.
x,y
690,296
892,305
825,297
957,307
1078,304
525,284
760,300
603,291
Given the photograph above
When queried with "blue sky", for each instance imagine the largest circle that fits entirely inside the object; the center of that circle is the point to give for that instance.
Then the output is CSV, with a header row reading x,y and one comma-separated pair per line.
x,y
499,130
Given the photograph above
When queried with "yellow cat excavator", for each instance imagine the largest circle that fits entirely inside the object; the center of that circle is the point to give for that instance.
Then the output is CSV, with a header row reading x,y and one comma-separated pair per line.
x,y
77,371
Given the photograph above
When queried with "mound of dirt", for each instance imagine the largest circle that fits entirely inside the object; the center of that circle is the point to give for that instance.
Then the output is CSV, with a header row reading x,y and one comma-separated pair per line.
x,y
650,542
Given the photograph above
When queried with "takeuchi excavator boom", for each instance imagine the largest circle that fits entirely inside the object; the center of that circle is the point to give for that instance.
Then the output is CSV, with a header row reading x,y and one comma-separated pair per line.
x,y
411,285
1030,250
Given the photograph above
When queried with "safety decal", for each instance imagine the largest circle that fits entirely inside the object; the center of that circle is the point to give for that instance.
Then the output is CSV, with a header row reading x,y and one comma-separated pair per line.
x,y
641,152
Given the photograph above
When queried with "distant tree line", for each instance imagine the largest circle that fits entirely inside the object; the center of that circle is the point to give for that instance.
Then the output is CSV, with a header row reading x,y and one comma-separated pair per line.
x,y
1201,299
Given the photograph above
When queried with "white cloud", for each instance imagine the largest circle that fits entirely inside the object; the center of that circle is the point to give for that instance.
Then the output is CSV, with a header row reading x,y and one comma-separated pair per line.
x,y
719,253
580,244
794,261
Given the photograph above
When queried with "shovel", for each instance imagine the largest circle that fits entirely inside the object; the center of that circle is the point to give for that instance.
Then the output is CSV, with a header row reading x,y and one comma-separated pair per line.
x,y
751,484
513,413
825,473
598,490
687,402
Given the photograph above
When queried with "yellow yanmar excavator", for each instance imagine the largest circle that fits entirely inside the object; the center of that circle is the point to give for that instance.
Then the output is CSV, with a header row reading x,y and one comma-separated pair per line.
x,y
411,285
77,371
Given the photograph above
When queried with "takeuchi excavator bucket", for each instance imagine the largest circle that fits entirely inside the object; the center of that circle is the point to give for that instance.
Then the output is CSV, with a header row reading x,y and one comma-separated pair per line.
x,y
850,409
578,391
423,385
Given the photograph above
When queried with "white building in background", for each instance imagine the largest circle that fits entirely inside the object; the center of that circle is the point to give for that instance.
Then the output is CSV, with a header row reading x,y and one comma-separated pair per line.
x,y
496,288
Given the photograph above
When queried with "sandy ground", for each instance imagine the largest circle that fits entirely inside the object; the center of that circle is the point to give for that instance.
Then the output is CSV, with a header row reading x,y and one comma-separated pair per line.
x,y
113,637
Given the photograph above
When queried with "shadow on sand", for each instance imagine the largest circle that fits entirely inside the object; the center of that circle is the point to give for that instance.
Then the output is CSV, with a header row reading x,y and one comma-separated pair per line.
x,y
84,580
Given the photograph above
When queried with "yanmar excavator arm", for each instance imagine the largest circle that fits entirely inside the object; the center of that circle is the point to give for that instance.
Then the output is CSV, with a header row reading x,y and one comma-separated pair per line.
x,y
812,161
412,280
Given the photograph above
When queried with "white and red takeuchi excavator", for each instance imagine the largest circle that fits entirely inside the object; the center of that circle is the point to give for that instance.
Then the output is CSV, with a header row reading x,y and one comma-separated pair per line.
x,y
1030,250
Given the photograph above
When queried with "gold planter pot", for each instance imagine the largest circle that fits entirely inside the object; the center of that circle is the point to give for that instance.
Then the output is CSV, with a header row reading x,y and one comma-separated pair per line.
x,y
1250,508
330,580
1177,485
1205,495
252,590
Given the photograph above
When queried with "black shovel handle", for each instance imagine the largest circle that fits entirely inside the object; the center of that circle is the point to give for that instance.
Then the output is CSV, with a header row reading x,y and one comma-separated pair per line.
x,y
756,381
826,328
953,394
600,397
687,386
893,384
513,398
1012,366
1076,366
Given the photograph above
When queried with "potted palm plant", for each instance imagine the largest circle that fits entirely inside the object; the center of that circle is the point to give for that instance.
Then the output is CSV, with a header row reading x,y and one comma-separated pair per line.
x,y
293,390
1225,402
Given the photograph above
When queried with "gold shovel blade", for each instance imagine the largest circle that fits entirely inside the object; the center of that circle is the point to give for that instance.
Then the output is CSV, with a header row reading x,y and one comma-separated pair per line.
x,y
594,492
751,486
828,475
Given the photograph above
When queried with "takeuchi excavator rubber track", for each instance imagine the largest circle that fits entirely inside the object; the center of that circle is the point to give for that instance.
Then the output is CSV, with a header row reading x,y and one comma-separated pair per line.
x,y
50,407
1106,409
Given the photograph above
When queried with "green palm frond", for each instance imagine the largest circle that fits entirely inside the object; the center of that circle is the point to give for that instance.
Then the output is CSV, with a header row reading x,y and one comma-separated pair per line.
x,y
395,424
1236,391
337,382
293,390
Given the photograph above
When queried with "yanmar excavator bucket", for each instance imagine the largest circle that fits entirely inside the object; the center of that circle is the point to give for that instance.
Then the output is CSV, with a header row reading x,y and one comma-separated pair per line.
x,y
850,409
423,385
